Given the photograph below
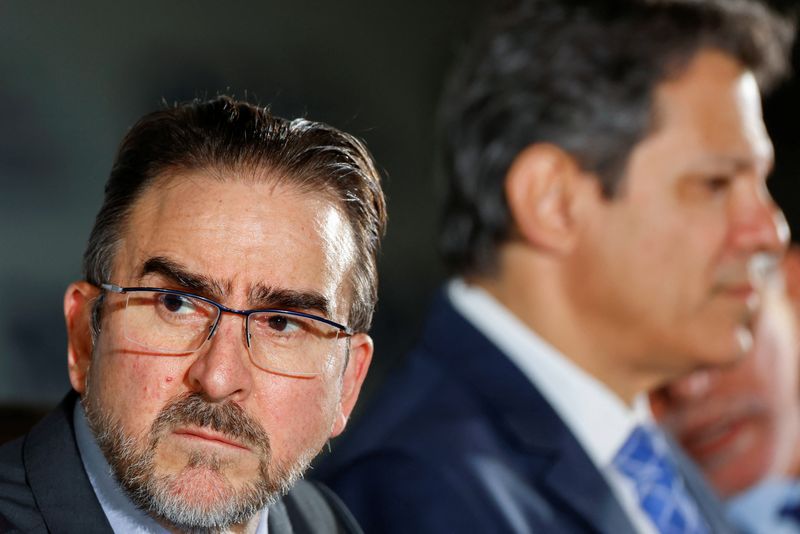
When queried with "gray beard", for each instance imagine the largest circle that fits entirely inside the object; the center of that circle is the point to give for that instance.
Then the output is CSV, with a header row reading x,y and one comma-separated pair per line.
x,y
166,497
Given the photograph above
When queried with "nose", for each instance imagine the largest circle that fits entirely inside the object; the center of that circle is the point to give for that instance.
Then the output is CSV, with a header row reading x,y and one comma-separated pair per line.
x,y
759,224
222,368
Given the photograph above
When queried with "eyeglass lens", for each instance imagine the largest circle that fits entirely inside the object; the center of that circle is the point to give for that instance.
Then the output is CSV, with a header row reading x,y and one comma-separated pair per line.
x,y
170,323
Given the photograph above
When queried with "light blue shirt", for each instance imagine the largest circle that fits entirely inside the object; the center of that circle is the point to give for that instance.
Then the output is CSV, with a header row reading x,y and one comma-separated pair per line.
x,y
121,513
757,511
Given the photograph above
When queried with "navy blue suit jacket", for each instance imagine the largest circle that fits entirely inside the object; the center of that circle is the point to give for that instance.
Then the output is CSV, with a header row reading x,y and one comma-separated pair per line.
x,y
460,441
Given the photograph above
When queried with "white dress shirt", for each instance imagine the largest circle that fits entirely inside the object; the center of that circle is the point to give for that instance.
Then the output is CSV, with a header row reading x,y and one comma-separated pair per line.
x,y
121,513
596,416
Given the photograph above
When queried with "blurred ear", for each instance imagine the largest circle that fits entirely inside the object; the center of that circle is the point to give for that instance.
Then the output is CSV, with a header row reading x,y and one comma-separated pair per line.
x,y
78,302
361,348
541,187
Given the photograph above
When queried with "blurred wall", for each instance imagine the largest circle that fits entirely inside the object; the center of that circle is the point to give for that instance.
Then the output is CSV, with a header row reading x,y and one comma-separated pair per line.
x,y
75,76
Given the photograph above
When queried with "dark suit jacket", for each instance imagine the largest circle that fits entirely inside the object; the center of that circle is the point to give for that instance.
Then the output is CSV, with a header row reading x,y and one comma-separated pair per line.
x,y
44,488
460,441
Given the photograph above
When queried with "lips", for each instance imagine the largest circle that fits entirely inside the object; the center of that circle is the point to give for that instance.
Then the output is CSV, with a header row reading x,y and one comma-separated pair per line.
x,y
714,439
210,437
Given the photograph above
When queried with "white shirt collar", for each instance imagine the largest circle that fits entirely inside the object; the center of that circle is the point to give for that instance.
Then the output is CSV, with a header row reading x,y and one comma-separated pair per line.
x,y
596,416
121,513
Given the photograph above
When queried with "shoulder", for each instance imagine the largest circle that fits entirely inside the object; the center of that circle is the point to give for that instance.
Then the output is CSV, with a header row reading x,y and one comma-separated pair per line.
x,y
446,444
18,508
43,482
427,411
12,472
417,414
397,468
393,491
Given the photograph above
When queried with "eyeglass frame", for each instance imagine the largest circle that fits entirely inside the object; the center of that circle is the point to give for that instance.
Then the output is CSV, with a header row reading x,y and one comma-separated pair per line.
x,y
113,288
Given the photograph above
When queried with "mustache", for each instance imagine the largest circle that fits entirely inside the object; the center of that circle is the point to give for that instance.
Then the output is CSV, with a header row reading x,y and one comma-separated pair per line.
x,y
192,409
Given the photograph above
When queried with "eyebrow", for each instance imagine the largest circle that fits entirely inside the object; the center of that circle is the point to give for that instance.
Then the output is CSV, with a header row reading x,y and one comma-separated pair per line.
x,y
270,297
261,296
739,164
181,276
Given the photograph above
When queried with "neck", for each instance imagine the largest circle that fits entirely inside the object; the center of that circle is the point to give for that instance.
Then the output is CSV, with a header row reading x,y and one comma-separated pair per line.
x,y
533,288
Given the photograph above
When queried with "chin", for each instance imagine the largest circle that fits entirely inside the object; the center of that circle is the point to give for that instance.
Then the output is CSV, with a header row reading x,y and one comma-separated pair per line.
x,y
202,495
199,487
741,464
725,348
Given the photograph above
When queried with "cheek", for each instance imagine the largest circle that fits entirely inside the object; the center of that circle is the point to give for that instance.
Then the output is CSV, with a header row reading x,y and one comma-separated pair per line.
x,y
675,264
682,244
296,412
134,388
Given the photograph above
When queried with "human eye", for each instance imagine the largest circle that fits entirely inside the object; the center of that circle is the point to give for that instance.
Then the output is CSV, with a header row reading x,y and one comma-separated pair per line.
x,y
284,328
717,183
705,186
174,304
280,324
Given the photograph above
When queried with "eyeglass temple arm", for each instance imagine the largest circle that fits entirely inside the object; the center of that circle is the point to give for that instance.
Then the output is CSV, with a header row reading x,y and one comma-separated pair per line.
x,y
113,288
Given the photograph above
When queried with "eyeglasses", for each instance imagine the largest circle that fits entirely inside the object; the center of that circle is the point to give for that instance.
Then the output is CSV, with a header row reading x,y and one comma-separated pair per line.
x,y
179,323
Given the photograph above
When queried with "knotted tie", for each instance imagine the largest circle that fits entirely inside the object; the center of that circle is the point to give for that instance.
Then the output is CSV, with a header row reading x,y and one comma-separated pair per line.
x,y
645,460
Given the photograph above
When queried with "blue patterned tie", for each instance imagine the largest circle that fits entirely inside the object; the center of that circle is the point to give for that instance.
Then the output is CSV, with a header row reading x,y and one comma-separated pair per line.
x,y
645,460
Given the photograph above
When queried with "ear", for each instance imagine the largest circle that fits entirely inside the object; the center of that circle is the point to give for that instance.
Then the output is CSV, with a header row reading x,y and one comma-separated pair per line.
x,y
78,302
540,190
361,348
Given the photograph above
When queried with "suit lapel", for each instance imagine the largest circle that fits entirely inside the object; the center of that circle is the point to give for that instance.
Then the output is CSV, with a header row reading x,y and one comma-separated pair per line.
x,y
574,480
278,519
58,481
559,465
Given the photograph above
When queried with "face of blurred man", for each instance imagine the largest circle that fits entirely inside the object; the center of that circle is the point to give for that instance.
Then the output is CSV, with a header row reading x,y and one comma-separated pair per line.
x,y
740,423
207,438
665,272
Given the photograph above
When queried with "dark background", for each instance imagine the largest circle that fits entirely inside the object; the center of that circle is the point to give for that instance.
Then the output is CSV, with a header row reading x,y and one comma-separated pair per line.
x,y
76,76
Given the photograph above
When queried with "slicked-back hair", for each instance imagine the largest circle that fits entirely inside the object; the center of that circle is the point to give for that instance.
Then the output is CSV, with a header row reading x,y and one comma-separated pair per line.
x,y
579,74
236,139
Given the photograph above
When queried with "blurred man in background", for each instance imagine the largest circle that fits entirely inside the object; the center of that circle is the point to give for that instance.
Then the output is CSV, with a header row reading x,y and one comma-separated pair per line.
x,y
218,339
741,424
607,210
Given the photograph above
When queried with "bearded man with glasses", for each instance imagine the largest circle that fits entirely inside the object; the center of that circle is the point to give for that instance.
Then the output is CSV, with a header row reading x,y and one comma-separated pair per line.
x,y
219,337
